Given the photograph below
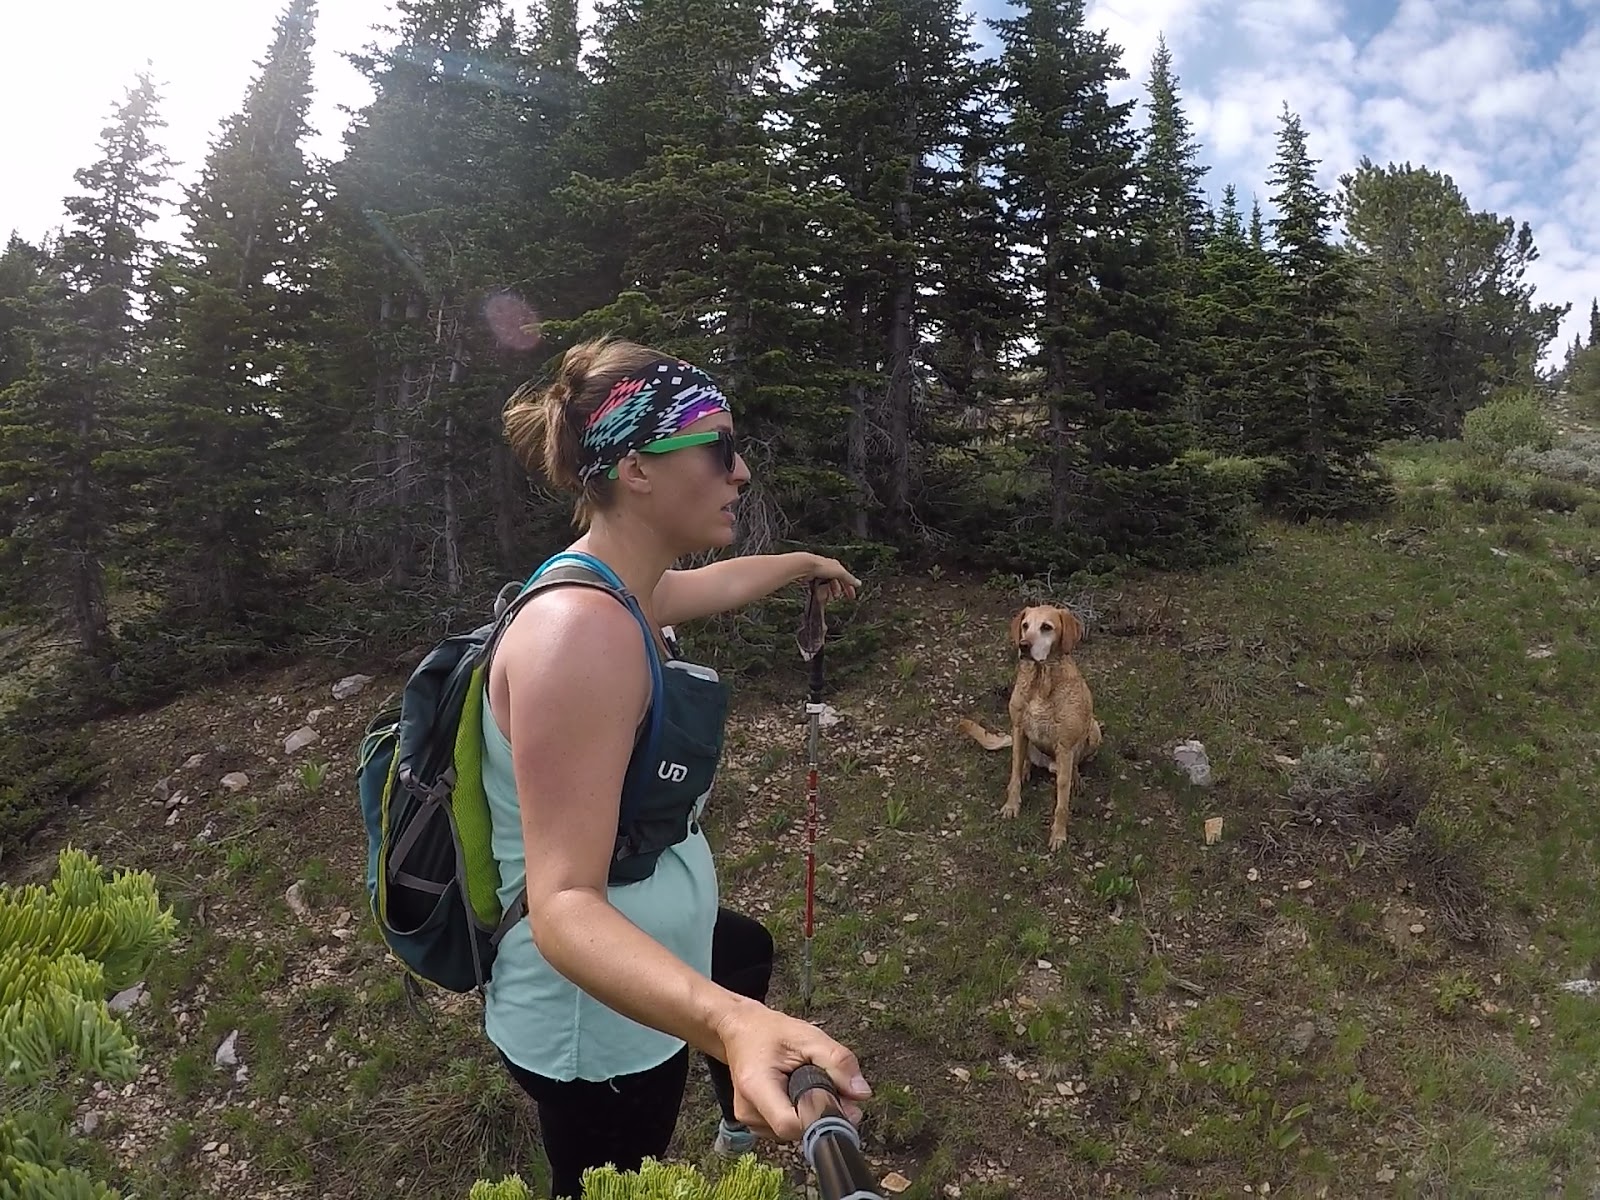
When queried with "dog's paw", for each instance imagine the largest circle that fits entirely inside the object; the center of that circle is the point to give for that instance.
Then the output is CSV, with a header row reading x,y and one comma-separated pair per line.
x,y
1058,839
1012,809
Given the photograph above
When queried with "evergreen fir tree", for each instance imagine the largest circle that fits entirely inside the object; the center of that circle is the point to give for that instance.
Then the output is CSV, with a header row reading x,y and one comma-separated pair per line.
x,y
1234,312
62,422
1594,322
1441,302
230,428
891,110
1322,419
721,257
1172,169
1104,303
433,224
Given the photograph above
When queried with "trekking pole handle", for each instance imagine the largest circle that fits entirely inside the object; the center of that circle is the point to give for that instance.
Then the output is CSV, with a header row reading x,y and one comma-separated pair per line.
x,y
830,1143
816,677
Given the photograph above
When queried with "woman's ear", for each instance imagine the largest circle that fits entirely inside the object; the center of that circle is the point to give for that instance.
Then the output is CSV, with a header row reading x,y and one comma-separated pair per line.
x,y
631,474
1071,630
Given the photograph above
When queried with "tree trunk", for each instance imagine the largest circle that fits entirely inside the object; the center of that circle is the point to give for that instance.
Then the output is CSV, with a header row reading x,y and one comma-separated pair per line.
x,y
406,402
856,462
452,512
902,314
899,397
510,508
1055,383
87,576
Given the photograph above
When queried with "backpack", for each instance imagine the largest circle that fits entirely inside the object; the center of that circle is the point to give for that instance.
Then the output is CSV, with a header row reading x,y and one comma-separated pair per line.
x,y
432,879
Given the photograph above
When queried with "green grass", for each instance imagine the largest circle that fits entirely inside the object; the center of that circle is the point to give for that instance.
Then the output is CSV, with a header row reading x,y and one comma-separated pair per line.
x,y
1138,1007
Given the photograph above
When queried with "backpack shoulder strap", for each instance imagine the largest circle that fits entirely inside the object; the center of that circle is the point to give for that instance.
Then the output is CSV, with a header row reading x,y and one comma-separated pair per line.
x,y
574,567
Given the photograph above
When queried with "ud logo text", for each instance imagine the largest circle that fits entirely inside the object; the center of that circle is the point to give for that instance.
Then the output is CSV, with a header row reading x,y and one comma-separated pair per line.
x,y
672,772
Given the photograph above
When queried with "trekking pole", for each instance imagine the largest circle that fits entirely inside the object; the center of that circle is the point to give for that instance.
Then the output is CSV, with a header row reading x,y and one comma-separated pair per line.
x,y
810,638
830,1143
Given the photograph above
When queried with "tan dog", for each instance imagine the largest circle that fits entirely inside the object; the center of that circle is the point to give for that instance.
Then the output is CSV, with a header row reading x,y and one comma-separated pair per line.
x,y
1052,711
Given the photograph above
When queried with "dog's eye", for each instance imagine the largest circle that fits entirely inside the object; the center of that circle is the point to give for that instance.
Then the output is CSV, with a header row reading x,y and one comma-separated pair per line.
x,y
1045,628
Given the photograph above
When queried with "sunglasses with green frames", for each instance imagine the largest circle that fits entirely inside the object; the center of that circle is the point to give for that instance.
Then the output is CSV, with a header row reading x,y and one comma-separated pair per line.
x,y
721,437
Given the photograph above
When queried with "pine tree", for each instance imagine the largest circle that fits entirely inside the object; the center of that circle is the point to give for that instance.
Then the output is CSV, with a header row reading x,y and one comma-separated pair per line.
x,y
1258,236
721,256
231,429
434,227
1594,322
975,311
1233,314
1172,169
61,422
22,269
1323,421
1441,302
24,279
892,98
1104,302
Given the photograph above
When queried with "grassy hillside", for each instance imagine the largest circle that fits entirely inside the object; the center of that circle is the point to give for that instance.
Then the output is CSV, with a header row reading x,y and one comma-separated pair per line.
x,y
1356,991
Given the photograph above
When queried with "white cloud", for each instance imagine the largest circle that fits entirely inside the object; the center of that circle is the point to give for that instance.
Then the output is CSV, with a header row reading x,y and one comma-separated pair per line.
x,y
1471,88
1275,25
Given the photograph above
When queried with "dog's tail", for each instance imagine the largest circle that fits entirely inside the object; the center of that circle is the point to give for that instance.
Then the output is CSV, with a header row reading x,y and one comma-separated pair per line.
x,y
989,741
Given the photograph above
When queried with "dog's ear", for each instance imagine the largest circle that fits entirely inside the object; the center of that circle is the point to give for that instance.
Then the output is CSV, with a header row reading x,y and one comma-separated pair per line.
x,y
1016,628
1071,630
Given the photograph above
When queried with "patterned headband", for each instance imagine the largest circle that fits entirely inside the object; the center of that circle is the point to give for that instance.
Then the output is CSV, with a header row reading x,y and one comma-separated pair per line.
x,y
652,403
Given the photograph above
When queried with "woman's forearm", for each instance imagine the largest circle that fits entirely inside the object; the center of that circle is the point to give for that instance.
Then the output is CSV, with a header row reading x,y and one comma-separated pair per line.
x,y
602,952
747,578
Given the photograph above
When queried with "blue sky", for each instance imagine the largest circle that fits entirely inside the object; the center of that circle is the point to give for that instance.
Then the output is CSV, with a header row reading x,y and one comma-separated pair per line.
x,y
1502,94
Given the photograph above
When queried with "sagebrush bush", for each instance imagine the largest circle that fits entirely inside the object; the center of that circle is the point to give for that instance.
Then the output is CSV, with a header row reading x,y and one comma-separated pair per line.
x,y
1512,419
1557,495
1576,460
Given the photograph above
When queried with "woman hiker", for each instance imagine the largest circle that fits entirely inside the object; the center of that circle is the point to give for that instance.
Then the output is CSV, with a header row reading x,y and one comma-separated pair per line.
x,y
598,996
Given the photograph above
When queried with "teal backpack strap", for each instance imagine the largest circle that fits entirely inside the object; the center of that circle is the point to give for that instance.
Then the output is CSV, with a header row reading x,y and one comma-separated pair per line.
x,y
641,763
657,680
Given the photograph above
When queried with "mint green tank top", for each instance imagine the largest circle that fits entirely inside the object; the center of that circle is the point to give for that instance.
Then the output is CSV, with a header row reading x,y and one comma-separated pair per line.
x,y
538,1018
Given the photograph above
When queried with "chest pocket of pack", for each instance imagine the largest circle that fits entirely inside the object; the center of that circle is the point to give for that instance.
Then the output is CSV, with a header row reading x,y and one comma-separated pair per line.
x,y
694,716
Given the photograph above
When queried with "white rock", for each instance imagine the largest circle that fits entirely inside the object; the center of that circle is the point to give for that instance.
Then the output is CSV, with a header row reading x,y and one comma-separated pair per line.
x,y
300,739
1191,756
236,781
316,714
295,898
350,686
228,1053
194,762
125,1000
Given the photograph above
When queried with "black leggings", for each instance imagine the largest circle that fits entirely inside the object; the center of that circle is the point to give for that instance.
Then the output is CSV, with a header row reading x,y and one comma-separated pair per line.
x,y
622,1121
